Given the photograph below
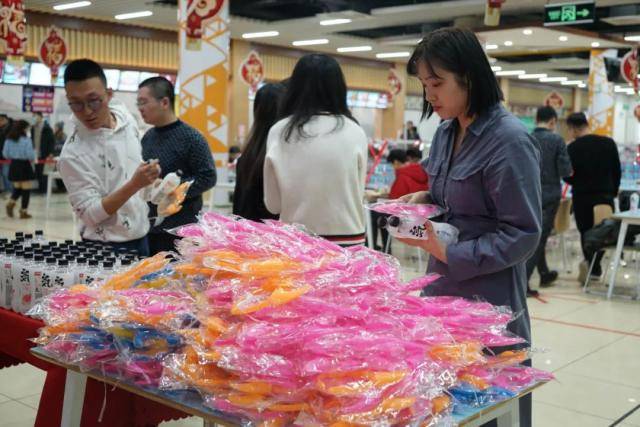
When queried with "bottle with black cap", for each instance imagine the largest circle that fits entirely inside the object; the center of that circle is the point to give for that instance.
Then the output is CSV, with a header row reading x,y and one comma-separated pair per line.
x,y
39,237
92,271
48,275
35,275
23,293
107,270
65,276
81,269
6,276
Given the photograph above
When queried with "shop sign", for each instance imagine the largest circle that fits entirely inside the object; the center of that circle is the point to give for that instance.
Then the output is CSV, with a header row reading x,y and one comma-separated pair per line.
x,y
37,99
252,70
554,100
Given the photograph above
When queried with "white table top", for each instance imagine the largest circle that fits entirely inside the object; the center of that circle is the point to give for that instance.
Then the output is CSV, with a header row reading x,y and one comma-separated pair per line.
x,y
631,217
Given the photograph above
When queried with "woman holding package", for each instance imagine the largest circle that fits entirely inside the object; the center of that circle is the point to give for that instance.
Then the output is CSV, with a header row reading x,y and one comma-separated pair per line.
x,y
484,171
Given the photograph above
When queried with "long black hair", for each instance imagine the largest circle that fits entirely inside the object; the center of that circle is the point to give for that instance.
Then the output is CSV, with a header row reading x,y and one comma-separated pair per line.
x,y
458,51
18,130
317,86
266,112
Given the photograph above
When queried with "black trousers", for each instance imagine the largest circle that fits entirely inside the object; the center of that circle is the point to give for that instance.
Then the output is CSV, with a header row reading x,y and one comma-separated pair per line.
x,y
25,194
375,216
161,242
539,258
41,177
583,211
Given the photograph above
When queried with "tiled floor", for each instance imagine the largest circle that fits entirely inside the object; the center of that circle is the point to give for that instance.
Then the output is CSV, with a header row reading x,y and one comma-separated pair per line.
x,y
592,345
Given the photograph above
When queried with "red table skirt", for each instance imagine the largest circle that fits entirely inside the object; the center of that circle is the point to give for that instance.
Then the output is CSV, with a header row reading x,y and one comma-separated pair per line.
x,y
123,409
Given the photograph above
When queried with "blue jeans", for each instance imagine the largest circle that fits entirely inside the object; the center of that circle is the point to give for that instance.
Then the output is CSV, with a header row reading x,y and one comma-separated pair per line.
x,y
6,184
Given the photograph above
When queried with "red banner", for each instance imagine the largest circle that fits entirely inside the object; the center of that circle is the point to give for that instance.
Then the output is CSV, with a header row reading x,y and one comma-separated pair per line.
x,y
199,11
53,52
13,28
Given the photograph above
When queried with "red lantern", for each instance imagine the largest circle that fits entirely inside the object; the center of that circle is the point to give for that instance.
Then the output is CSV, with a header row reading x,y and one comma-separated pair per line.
x,y
53,52
252,70
13,28
198,12
395,84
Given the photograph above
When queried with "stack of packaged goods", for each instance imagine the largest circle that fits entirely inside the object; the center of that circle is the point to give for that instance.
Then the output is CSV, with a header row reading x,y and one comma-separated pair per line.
x,y
32,267
280,328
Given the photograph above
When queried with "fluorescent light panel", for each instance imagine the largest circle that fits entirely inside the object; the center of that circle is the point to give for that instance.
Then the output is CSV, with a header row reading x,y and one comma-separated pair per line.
x,y
510,73
491,47
532,76
260,34
553,79
74,5
133,15
635,38
393,55
354,49
337,21
310,42
496,68
571,83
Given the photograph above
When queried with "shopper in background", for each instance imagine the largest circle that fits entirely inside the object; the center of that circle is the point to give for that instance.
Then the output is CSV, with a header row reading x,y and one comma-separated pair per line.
x,y
595,180
484,169
316,160
555,165
101,163
179,148
60,138
414,155
18,148
411,132
44,143
248,196
5,126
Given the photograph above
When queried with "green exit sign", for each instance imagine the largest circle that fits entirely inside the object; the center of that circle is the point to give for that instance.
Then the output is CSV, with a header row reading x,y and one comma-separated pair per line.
x,y
569,13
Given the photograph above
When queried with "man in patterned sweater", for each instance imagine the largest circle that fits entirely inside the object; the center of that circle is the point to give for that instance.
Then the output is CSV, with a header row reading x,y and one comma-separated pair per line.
x,y
178,147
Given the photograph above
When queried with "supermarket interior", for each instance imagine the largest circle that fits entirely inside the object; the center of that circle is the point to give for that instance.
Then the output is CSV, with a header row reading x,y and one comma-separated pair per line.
x,y
319,213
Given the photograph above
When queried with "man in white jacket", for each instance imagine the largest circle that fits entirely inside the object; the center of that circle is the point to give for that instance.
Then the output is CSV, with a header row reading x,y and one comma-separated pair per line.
x,y
101,162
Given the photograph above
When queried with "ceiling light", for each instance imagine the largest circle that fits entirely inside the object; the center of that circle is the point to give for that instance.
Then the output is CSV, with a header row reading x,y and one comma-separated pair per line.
x,y
553,79
496,68
508,43
582,85
393,55
527,31
532,76
510,73
134,15
595,44
633,38
563,38
260,34
310,42
75,4
571,83
491,47
335,21
492,60
354,49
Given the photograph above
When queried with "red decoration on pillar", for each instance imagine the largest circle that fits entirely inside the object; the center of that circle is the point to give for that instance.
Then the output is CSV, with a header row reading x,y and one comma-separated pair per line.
x,y
53,52
199,11
13,29
395,85
252,70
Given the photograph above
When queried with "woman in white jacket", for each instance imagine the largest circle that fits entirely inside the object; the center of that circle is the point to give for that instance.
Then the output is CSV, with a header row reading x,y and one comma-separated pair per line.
x,y
315,167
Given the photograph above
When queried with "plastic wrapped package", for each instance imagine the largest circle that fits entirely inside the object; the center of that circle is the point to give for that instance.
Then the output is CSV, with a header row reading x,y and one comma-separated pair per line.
x,y
284,328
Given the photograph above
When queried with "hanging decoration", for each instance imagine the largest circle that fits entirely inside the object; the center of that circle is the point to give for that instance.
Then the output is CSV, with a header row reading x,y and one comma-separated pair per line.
x,y
252,70
13,30
198,13
395,84
53,52
492,12
629,67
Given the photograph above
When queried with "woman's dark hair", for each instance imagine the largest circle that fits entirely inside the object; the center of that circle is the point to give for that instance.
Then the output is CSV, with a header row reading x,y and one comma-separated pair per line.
x,y
577,121
18,130
458,51
265,114
316,86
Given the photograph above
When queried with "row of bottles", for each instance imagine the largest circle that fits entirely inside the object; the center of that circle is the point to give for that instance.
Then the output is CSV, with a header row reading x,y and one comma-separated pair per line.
x,y
32,267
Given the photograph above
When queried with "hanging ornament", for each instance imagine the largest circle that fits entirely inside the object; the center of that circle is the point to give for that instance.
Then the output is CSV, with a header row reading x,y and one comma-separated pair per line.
x,y
252,70
492,12
13,30
198,12
395,85
53,52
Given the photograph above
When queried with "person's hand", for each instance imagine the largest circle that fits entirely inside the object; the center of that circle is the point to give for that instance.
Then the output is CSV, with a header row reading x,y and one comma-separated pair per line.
x,y
146,174
419,197
430,245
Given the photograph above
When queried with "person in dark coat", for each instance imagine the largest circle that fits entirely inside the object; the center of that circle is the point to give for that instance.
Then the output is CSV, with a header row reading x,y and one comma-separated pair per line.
x,y
44,143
